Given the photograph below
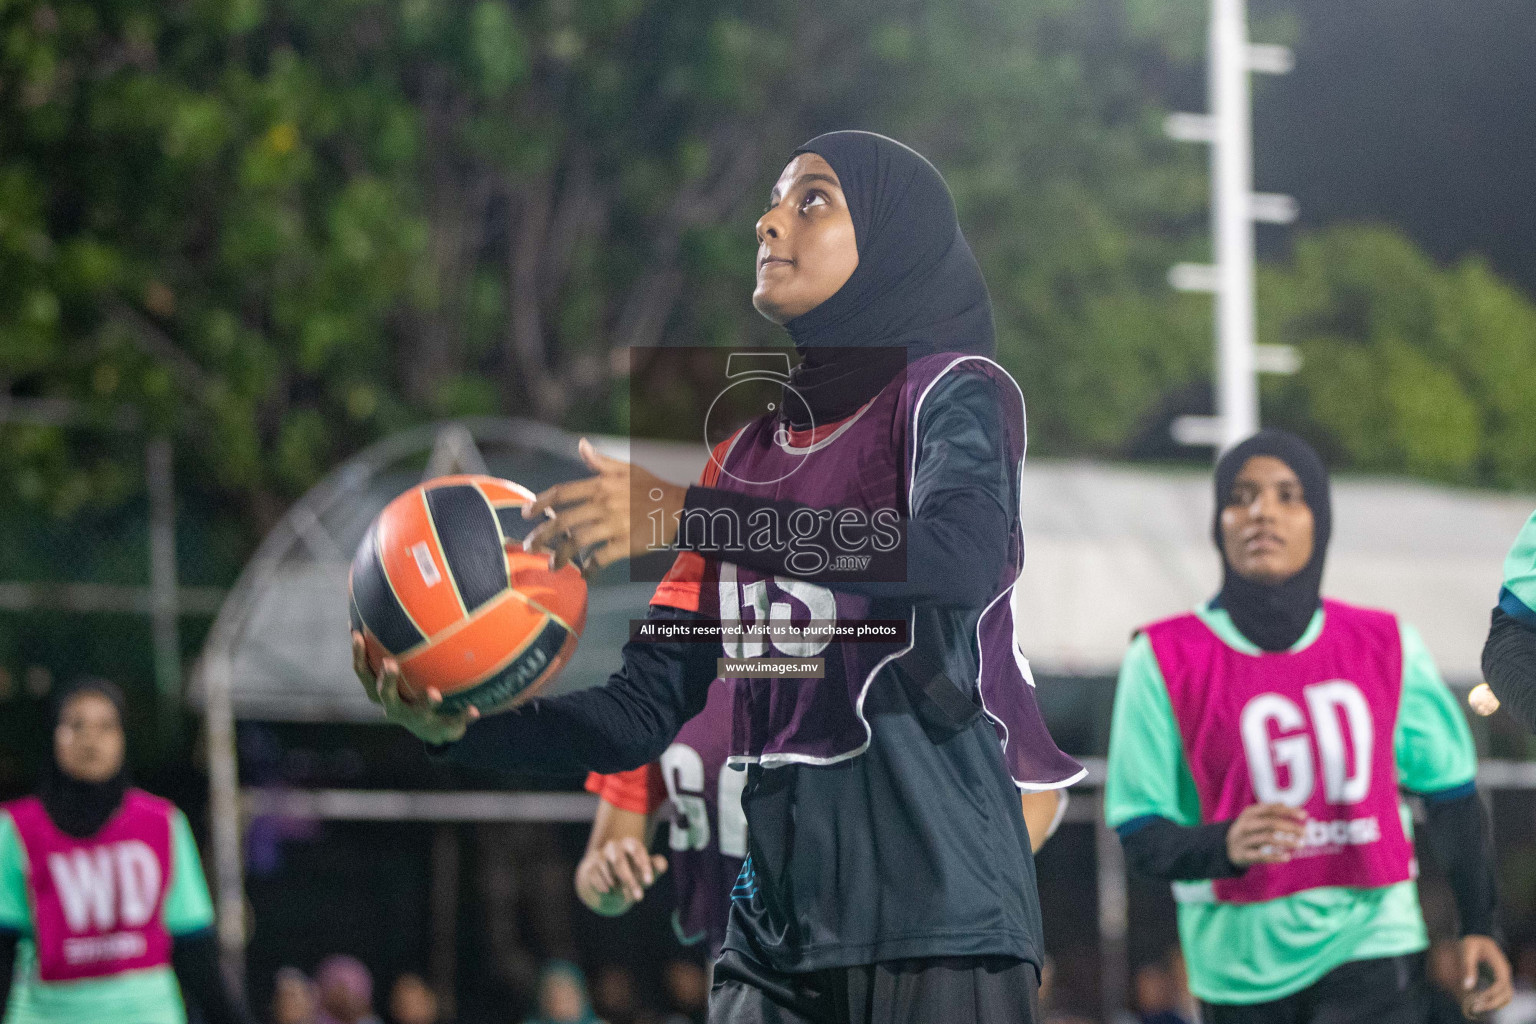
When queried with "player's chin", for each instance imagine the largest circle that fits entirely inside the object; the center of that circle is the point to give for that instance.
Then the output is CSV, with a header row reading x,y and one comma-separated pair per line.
x,y
772,303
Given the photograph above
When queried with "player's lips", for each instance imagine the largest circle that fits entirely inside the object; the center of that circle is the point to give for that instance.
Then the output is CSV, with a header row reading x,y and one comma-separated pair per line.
x,y
1264,542
773,261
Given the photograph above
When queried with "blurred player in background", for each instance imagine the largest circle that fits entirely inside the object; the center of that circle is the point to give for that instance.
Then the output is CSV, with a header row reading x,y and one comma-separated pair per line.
x,y
707,834
1509,656
889,875
104,913
1256,753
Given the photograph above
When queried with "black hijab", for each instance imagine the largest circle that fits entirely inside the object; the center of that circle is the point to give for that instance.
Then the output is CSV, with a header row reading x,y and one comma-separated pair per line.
x,y
1274,616
80,808
917,289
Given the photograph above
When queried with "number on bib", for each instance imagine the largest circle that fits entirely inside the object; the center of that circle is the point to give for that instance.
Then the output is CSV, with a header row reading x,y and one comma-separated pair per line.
x,y
683,770
735,598
1337,719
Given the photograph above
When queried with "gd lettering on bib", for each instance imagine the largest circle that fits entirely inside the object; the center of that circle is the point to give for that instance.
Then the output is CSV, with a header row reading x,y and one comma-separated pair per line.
x,y
1310,729
96,902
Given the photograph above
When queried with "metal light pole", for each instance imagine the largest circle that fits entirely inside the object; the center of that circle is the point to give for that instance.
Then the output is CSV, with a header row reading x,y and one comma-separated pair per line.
x,y
1228,129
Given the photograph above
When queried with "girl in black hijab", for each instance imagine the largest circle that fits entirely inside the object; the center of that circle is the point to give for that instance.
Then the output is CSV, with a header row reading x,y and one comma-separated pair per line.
x,y
80,806
1209,707
148,944
889,876
916,290
1274,614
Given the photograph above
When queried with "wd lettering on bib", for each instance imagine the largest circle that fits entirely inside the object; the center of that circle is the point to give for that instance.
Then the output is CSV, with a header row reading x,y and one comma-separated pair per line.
x,y
97,901
107,886
1310,729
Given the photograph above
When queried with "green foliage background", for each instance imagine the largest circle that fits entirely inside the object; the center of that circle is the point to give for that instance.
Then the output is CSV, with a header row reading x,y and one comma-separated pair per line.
x,y
279,229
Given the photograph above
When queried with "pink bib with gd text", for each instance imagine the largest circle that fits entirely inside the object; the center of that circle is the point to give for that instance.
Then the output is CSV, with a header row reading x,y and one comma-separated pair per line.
x,y
96,902
1311,729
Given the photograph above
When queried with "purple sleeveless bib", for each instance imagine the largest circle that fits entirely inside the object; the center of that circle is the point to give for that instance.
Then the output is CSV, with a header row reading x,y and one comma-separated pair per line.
x,y
1312,729
96,902
709,829
867,463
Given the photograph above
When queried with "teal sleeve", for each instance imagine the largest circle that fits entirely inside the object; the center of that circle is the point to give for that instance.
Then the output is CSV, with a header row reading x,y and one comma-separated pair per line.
x,y
1518,598
15,910
1147,773
188,907
1433,743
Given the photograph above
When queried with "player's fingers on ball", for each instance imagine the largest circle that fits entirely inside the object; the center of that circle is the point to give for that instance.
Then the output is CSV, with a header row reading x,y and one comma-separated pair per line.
x,y
595,528
389,694
563,553
574,492
590,534
639,864
641,858
600,557
543,501
547,536
581,517
659,864
362,671
624,871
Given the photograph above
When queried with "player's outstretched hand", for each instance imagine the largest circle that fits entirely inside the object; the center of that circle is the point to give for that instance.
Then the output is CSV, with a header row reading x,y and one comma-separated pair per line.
x,y
606,517
1480,953
614,877
1265,834
420,717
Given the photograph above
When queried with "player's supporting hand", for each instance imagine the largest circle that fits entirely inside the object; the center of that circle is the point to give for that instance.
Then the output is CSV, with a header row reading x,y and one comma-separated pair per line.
x,y
614,877
1478,951
1265,834
594,515
420,717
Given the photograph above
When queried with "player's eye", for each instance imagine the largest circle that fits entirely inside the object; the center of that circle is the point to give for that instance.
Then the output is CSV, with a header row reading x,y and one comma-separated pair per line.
x,y
813,198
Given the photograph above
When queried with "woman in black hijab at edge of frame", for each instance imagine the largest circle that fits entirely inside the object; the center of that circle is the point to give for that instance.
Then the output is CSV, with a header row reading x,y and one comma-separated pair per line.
x,y
86,810
1273,523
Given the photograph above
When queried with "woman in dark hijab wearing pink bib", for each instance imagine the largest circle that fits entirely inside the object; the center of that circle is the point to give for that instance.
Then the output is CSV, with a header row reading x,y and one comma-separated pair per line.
x,y
1258,751
104,913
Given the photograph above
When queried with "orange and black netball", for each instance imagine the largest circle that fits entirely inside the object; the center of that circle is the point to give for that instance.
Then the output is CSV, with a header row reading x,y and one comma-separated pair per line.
x,y
441,583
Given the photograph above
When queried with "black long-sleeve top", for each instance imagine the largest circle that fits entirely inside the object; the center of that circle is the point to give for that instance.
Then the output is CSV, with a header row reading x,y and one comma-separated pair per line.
x,y
915,848
962,498
1455,831
1509,665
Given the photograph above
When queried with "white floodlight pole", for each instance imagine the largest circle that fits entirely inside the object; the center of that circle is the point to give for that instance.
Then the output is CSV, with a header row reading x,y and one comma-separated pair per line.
x,y
1237,384
1228,129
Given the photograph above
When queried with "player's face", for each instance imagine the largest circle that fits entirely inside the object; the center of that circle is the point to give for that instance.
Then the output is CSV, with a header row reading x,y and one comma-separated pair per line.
x,y
88,742
1266,525
806,249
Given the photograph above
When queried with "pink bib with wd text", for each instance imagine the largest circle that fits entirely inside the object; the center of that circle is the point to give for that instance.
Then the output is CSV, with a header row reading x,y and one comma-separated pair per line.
x,y
96,902
1311,729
